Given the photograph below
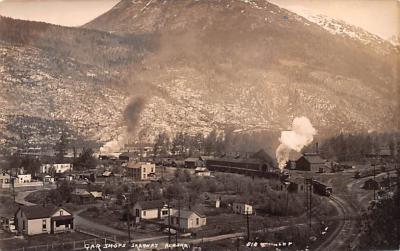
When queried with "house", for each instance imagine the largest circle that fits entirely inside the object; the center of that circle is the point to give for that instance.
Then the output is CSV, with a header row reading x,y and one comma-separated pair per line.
x,y
47,179
242,208
97,195
382,153
5,178
82,196
296,185
193,162
107,174
38,219
23,178
8,223
311,162
149,210
56,168
141,171
185,219
202,171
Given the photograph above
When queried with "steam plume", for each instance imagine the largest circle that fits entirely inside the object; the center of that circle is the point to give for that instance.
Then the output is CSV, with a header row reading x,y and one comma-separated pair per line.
x,y
301,134
131,117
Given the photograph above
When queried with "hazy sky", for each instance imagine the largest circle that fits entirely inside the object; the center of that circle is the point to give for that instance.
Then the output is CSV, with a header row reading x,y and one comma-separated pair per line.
x,y
381,17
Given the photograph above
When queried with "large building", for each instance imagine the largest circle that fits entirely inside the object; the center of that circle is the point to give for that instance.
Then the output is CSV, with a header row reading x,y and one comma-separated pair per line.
x,y
242,163
58,168
311,162
141,171
38,219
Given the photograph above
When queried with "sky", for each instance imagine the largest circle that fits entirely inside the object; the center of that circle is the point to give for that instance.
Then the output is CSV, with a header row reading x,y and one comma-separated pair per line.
x,y
380,17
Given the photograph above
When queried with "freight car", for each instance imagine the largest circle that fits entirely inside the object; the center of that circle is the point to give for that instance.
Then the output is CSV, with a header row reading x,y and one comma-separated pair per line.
x,y
321,189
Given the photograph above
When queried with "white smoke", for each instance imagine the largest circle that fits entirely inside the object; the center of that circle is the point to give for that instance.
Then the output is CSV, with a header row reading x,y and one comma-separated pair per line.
x,y
114,145
301,134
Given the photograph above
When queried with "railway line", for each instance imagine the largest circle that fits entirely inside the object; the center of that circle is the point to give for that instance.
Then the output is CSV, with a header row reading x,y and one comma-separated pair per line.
x,y
346,232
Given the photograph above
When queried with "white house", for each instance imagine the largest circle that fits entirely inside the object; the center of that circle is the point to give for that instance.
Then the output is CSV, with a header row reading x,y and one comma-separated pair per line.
x,y
5,178
202,171
185,219
148,210
242,208
141,170
23,178
38,219
58,168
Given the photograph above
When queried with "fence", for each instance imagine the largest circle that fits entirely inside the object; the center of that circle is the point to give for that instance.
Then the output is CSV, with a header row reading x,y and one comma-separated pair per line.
x,y
73,245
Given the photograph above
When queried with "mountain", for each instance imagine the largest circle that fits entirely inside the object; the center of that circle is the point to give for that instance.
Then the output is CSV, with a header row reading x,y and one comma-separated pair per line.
x,y
197,65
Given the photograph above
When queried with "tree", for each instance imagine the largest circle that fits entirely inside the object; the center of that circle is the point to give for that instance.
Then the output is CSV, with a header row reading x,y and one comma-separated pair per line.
x,y
380,222
65,190
86,160
61,147
210,143
31,165
161,144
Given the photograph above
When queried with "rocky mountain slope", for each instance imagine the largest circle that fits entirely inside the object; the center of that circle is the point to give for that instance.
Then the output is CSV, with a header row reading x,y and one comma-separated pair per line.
x,y
197,65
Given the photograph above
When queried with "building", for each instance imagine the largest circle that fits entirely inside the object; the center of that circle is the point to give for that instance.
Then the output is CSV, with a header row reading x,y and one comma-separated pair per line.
x,y
193,162
141,171
371,184
246,163
5,177
8,223
38,219
149,210
97,195
202,171
82,196
311,162
185,219
57,168
242,208
23,178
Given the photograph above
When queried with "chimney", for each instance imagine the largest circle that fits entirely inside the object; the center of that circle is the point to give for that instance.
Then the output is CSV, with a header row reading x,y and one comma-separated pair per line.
x,y
316,148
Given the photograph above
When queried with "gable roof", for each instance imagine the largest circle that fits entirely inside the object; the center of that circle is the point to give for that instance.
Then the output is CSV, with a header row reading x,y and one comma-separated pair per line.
x,y
39,211
151,204
80,191
185,214
192,159
313,158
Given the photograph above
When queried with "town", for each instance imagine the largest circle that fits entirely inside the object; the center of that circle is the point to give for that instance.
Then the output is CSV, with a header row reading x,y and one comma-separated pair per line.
x,y
197,196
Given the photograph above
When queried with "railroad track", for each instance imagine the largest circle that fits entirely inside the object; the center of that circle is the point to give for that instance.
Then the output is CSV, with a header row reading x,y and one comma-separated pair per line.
x,y
342,237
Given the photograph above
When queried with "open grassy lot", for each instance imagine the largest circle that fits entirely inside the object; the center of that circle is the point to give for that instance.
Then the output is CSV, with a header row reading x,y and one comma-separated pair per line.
x,y
44,240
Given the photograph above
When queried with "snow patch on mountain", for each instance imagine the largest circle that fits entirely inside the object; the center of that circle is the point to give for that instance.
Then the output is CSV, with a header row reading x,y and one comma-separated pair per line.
x,y
339,27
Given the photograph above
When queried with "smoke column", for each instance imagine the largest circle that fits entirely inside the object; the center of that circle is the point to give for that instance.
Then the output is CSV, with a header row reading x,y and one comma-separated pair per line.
x,y
131,117
301,134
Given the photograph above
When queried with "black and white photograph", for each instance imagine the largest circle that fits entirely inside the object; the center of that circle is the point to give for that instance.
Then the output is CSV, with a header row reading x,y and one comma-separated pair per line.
x,y
200,125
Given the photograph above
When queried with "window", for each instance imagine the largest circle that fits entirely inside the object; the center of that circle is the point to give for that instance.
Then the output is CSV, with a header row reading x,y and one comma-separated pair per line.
x,y
44,225
165,212
144,212
23,225
197,221
61,212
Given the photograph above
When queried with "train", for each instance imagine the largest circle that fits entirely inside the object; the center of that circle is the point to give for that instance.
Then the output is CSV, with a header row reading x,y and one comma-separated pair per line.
x,y
321,188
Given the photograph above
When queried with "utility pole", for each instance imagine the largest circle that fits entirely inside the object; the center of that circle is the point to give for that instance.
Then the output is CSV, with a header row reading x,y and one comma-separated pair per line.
x,y
398,205
248,225
374,184
309,185
169,224
179,220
